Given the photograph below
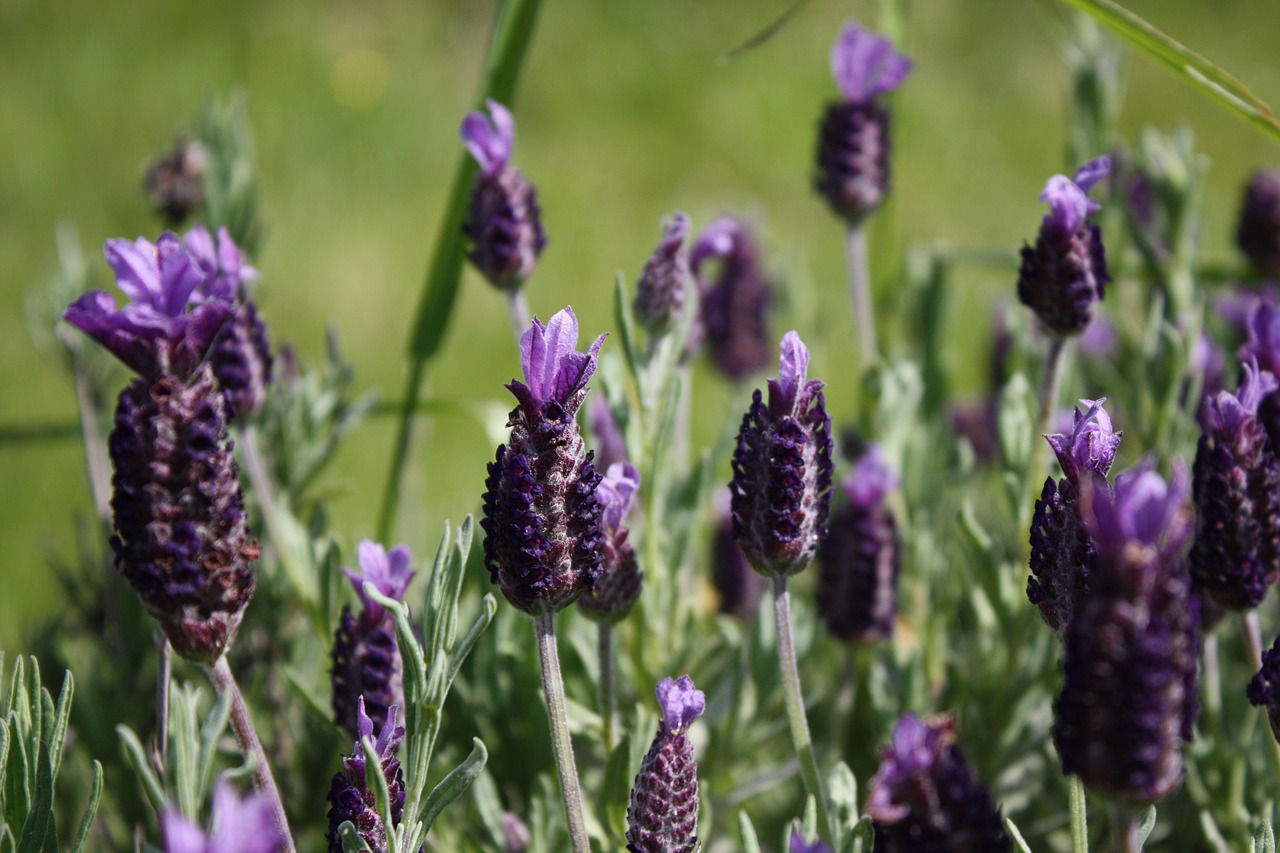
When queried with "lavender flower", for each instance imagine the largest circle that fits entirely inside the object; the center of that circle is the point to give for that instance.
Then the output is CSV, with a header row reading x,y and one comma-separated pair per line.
x,y
366,658
175,181
611,447
800,845
1061,551
663,814
504,222
738,586
1259,232
860,558
516,835
734,306
664,282
181,540
1065,273
1129,671
926,796
239,826
351,798
1264,688
1263,330
853,141
541,514
1236,555
782,469
617,589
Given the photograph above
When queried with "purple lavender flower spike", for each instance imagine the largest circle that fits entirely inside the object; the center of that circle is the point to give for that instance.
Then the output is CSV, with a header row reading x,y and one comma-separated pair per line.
x,y
739,587
782,469
1128,698
239,826
733,307
926,796
1092,445
1236,555
1065,273
1263,330
1258,234
853,142
861,557
800,845
664,282
617,589
1264,687
543,543
663,814
504,222
366,657
351,798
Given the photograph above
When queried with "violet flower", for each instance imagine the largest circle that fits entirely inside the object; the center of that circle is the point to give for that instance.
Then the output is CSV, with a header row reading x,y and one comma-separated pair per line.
x,y
504,222
1236,555
782,469
861,556
239,826
1263,330
610,447
738,587
366,656
1128,697
664,282
1258,234
1264,687
733,307
926,796
663,814
541,513
800,845
617,589
853,142
1062,553
351,798
1065,273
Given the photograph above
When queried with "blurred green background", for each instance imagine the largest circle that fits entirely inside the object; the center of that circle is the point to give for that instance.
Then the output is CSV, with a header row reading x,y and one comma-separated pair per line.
x,y
626,111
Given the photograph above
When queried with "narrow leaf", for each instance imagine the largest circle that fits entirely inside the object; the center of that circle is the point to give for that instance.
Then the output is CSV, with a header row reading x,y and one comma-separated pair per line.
x,y
750,843
488,607
1019,842
455,784
1148,823
90,810
61,718
40,830
136,757
210,733
351,840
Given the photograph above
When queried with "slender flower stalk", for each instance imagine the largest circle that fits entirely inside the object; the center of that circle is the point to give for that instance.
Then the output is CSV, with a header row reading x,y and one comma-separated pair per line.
x,y
544,625
860,292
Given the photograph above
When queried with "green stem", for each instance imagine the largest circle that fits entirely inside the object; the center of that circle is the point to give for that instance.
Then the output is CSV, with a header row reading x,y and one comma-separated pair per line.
x,y
604,647
164,673
1253,645
250,746
400,451
860,290
795,704
1052,379
544,625
518,307
1079,816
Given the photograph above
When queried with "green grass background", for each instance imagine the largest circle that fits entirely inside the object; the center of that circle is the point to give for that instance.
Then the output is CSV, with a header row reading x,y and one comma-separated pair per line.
x,y
625,113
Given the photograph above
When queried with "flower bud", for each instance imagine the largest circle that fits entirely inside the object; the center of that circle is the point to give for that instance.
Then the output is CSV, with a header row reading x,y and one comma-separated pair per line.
x,y
351,798
664,283
663,814
734,305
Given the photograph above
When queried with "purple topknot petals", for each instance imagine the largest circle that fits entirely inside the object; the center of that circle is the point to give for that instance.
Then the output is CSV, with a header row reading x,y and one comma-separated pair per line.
x,y
490,141
681,703
553,368
1092,444
350,796
871,479
239,826
616,493
1068,198
388,571
793,366
1263,328
1092,172
1142,509
800,845
221,264
865,64
161,275
1229,413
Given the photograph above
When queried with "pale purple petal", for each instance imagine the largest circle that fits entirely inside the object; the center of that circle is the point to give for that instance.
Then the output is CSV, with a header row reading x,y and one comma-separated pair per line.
x,y
553,369
490,141
243,825
137,268
390,731
1088,175
180,835
1068,205
560,342
1142,509
717,240
799,845
871,479
616,492
180,275
681,703
865,64
364,725
794,364
1091,444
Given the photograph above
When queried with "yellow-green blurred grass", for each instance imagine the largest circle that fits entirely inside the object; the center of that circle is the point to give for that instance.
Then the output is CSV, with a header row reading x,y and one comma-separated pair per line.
x,y
625,113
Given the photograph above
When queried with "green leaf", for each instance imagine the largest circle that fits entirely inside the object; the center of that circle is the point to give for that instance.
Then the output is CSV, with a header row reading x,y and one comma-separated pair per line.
x,y
136,757
90,810
750,843
863,835
1200,72
489,806
351,840
626,326
462,550
215,724
61,717
1264,839
488,607
1018,841
40,829
1147,824
455,784
617,788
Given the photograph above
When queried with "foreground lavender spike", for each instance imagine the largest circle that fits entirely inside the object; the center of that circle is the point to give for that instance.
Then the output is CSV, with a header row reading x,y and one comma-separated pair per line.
x,y
853,143
366,657
1061,550
351,798
663,814
239,826
504,222
664,282
733,306
1258,234
1128,697
861,556
925,796
1236,555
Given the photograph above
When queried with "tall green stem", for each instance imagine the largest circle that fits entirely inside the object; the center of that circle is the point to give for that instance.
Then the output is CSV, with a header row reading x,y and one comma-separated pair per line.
x,y
250,746
518,307
1079,816
860,291
1052,379
544,625
604,648
795,704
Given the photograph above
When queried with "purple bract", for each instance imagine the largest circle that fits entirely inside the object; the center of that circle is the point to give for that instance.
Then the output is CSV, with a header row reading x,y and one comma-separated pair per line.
x,y
239,826
865,65
490,141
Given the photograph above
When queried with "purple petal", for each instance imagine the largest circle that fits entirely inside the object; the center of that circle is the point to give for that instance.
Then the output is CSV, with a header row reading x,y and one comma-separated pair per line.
x,y
681,703
717,240
616,492
871,478
490,142
1088,175
865,64
1068,205
799,845
180,835
560,341
180,275
96,315
364,725
137,268
243,825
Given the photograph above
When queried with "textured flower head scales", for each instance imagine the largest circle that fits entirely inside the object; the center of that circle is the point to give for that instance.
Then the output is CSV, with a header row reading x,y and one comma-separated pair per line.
x,y
616,493
1091,446
554,371
1068,200
221,263
1142,516
389,572
153,333
490,140
865,65
239,826
681,703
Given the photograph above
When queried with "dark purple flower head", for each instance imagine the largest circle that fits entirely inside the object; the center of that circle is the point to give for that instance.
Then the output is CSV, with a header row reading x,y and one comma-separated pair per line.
x,y
222,265
800,845
865,65
1065,273
554,371
351,798
664,282
663,814
1263,329
1264,687
1091,446
1259,232
504,222
617,589
239,826
782,469
734,305
175,181
153,334
926,796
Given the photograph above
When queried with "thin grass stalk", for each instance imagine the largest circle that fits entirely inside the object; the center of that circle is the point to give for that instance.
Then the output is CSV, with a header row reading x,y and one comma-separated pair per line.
x,y
604,648
1079,816
860,291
